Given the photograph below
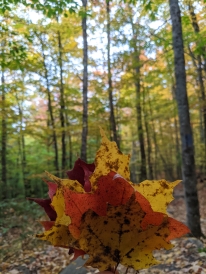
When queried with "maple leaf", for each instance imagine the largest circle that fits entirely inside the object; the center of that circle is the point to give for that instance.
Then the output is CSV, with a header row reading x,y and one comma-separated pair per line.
x,y
157,192
81,172
58,202
114,191
57,235
101,213
46,204
56,230
109,158
119,238
116,224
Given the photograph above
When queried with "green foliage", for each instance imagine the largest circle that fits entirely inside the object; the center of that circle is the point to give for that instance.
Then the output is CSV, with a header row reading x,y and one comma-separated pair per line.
x,y
29,57
50,8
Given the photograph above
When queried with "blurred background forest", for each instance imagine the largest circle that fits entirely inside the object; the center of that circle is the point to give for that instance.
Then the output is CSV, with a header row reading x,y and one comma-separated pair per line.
x,y
130,89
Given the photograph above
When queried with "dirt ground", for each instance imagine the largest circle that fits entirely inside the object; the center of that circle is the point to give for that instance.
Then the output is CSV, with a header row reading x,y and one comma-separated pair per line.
x,y
20,252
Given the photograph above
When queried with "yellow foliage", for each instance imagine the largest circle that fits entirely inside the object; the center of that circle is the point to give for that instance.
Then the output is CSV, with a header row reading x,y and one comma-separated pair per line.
x,y
58,235
119,237
159,193
109,158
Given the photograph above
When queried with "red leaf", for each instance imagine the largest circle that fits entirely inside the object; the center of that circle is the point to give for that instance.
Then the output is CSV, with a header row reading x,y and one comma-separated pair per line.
x,y
46,204
81,173
151,218
52,189
177,229
115,191
47,224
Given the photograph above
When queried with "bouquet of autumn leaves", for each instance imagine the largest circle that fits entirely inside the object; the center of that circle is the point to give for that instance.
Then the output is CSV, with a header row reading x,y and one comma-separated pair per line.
x,y
99,212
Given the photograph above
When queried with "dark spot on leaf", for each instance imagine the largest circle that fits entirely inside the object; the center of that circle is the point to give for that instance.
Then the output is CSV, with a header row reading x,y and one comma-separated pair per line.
x,y
118,214
157,234
107,250
126,221
116,255
164,185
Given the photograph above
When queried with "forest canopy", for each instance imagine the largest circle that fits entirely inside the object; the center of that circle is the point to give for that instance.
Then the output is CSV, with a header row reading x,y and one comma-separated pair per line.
x,y
54,94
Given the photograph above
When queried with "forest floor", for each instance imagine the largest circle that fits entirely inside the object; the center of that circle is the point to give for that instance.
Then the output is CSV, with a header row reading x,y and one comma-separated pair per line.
x,y
20,252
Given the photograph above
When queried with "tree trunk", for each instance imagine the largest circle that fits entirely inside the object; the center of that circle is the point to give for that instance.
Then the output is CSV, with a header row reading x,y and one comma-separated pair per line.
x,y
113,128
56,157
137,65
69,142
149,147
177,144
22,150
85,85
143,171
188,160
199,95
166,158
196,28
154,137
3,138
199,71
62,108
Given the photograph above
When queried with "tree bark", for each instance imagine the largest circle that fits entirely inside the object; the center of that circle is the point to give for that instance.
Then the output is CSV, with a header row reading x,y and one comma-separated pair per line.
x,y
3,138
22,150
113,128
188,160
136,66
199,70
56,157
199,95
196,28
149,147
177,143
85,85
62,108
69,142
154,136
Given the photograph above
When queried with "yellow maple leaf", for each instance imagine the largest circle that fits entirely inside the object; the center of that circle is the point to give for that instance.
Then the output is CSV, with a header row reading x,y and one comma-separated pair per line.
x,y
119,238
159,193
57,235
109,158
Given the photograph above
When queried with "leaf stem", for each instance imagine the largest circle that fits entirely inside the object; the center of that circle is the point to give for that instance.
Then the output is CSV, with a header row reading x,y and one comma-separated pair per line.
x,y
116,268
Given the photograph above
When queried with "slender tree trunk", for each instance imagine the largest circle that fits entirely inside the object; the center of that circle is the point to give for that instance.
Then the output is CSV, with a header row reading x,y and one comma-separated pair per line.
x,y
3,138
62,107
85,85
188,160
56,157
22,150
199,95
149,147
113,128
199,70
154,136
70,152
137,65
196,28
166,158
69,142
143,171
177,143
133,163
